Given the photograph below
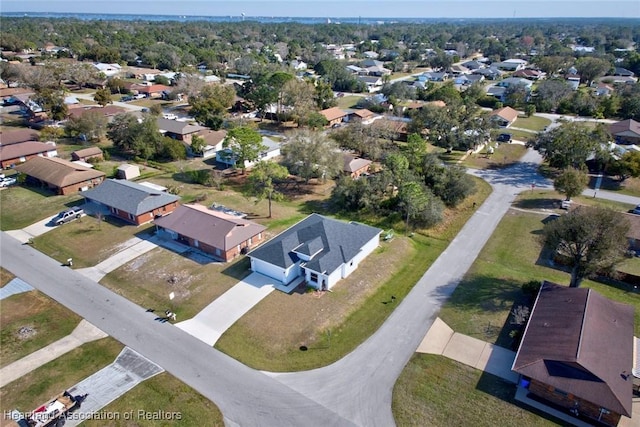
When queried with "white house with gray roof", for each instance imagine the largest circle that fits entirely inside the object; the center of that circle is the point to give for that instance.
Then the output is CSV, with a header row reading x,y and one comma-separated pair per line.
x,y
320,249
132,202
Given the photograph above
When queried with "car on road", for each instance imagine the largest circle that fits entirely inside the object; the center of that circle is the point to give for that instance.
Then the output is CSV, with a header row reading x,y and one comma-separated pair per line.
x,y
504,137
636,210
566,204
68,215
126,98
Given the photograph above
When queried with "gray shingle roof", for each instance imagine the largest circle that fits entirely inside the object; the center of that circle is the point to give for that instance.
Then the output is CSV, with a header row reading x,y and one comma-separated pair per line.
x,y
128,196
337,242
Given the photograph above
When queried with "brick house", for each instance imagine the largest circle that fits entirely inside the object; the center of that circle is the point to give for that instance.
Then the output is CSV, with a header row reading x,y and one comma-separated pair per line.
x,y
334,115
14,154
217,233
132,202
580,362
61,176
355,166
182,131
87,154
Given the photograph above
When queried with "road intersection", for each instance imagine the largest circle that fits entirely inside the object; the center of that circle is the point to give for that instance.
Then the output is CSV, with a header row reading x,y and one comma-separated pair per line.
x,y
354,391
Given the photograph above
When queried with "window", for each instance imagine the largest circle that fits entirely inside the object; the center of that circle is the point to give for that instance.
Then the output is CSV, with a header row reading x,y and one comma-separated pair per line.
x,y
218,251
314,277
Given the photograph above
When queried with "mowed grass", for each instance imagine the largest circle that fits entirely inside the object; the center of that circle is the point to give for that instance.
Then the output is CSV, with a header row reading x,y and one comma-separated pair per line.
x,y
629,187
5,276
47,381
348,101
436,391
534,123
504,155
150,278
482,302
22,206
167,394
330,325
87,240
30,321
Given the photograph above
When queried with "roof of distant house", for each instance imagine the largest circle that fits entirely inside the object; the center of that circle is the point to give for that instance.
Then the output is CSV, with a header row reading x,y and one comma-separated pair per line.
x,y
212,137
333,113
155,88
363,113
353,163
210,227
15,136
332,243
107,110
23,149
569,331
87,152
178,127
129,196
506,113
625,126
58,172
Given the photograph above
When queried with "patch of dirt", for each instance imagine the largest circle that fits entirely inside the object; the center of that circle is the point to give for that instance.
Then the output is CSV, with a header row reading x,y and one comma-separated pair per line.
x,y
26,332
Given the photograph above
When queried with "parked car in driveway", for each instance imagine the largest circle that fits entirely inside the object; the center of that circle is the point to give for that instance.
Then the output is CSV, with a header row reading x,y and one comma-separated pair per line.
x,y
68,215
7,181
504,137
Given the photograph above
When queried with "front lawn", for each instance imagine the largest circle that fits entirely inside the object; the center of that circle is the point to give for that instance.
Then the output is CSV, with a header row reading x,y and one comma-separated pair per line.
x,y
503,155
88,240
30,321
21,206
330,325
534,123
435,391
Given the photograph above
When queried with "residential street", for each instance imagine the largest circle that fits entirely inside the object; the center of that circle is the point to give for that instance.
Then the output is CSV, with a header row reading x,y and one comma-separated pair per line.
x,y
356,390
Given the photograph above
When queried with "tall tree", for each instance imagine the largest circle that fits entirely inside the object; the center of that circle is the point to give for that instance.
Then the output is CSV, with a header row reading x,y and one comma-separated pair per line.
x,y
262,179
90,126
244,145
212,104
626,166
312,154
594,239
571,144
571,182
103,97
591,68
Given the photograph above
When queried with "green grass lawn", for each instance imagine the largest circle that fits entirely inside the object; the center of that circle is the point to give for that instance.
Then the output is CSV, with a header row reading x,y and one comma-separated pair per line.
x,y
348,101
629,187
481,304
30,321
258,341
504,155
439,392
164,393
17,205
87,240
533,123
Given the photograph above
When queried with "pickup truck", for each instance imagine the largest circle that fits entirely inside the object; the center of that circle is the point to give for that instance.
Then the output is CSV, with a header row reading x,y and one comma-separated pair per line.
x,y
68,215
51,414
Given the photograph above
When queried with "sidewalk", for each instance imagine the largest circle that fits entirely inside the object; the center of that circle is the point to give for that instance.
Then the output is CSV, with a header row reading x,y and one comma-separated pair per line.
x,y
441,339
83,333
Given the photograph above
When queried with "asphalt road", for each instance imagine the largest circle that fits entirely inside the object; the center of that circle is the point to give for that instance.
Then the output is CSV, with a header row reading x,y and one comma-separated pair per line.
x,y
356,390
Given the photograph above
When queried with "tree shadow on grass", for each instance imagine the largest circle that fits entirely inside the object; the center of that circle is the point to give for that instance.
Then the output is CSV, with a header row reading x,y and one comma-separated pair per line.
x,y
238,270
538,203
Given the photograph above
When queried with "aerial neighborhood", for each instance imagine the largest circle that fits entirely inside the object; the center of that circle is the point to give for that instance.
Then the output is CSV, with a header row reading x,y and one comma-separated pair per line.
x,y
249,222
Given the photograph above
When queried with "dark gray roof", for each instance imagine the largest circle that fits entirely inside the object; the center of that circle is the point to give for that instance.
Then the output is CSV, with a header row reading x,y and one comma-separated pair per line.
x,y
336,241
128,196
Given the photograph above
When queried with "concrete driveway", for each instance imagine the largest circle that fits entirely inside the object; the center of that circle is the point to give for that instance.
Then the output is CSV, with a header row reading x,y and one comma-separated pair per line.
x,y
209,325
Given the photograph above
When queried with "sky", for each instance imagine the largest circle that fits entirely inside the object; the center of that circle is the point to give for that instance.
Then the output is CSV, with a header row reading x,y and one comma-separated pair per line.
x,y
337,9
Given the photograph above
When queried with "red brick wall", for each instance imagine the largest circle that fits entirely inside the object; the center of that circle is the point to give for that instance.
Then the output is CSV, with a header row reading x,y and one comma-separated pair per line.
x,y
76,187
228,255
569,401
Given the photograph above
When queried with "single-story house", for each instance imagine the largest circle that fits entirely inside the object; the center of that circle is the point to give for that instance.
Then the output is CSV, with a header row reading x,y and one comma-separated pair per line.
x,y
132,202
320,249
362,115
108,70
127,171
87,154
19,135
150,90
457,70
529,74
62,176
372,82
619,71
109,111
577,353
217,233
504,117
334,115
355,166
433,76
176,129
490,73
573,80
626,131
354,69
515,81
603,89
510,64
272,149
213,140
14,154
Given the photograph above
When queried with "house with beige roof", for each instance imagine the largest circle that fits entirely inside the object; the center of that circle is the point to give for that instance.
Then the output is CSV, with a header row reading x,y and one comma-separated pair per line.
x,y
217,233
504,117
355,166
334,115
626,131
87,154
59,175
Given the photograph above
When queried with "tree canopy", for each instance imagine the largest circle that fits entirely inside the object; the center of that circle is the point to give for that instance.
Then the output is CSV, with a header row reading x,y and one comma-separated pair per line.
x,y
244,145
571,182
262,180
312,154
592,238
571,144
